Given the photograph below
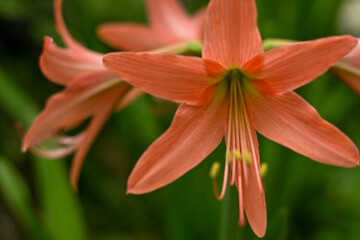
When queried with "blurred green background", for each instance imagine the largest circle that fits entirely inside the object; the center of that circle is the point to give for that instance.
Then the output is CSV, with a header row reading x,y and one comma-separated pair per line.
x,y
305,200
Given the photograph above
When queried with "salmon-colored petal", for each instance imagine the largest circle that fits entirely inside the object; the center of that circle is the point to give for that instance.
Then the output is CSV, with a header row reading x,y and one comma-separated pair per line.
x,y
69,41
170,21
289,67
68,108
173,77
131,37
352,80
63,66
108,102
254,195
231,33
291,121
193,135
354,56
198,22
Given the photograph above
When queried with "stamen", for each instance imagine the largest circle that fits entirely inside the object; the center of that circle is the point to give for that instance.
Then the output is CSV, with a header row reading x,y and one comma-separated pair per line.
x,y
263,169
214,171
241,138
228,157
247,157
237,155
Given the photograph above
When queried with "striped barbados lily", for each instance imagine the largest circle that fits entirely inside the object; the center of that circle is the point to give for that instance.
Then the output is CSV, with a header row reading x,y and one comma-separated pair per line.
x,y
234,90
169,25
348,69
91,91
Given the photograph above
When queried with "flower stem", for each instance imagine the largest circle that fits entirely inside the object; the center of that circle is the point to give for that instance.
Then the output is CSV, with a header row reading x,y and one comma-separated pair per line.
x,y
225,215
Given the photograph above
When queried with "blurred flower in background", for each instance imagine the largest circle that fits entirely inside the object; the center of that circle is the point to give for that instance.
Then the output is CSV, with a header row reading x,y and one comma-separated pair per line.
x,y
168,24
349,17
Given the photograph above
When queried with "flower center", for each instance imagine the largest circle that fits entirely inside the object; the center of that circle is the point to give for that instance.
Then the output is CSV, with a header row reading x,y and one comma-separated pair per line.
x,y
241,141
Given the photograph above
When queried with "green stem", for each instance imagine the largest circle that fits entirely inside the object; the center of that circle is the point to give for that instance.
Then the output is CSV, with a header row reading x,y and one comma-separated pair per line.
x,y
225,215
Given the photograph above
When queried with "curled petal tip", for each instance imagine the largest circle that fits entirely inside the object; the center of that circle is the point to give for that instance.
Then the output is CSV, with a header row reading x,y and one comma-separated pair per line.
x,y
47,40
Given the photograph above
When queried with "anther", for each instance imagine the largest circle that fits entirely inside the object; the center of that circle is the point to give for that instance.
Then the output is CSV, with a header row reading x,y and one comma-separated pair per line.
x,y
247,157
263,169
214,171
228,157
237,155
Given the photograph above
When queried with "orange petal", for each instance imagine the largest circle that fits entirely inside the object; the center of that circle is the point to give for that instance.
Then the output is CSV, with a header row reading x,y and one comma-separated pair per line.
x,y
69,41
231,33
170,21
173,77
291,121
254,195
63,66
68,108
131,37
193,135
354,56
199,20
107,103
289,67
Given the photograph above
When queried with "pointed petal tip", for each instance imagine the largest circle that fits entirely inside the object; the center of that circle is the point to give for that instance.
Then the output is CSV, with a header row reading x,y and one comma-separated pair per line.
x,y
352,40
136,190
353,159
260,234
260,228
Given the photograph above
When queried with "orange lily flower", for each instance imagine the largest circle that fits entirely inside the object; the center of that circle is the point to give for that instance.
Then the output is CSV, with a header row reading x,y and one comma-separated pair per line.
x,y
91,92
234,90
169,24
348,69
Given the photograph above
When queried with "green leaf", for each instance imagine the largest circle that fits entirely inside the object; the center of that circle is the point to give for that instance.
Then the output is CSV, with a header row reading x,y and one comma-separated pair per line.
x,y
16,194
60,204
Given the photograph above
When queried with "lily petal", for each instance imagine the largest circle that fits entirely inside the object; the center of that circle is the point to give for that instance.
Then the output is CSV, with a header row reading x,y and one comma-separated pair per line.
x,y
289,120
178,149
173,77
289,67
131,37
63,66
170,21
109,101
67,109
198,23
231,33
69,41
254,195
